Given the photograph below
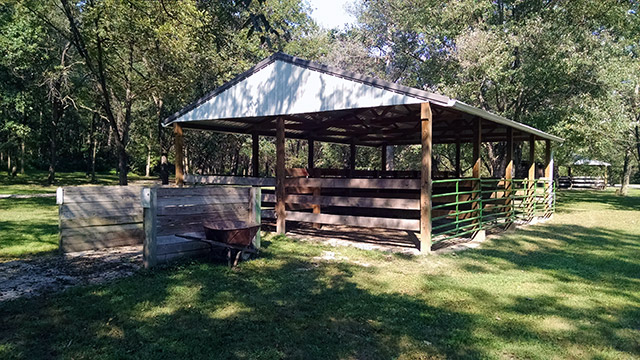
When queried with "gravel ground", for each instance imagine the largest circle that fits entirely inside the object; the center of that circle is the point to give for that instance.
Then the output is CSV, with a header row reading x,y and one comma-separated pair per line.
x,y
54,273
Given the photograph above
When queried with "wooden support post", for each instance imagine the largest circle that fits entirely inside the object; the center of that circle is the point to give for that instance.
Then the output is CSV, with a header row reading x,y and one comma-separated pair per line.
x,y
508,176
548,174
477,164
179,143
532,175
532,157
458,167
255,155
280,175
317,192
255,213
310,156
425,178
150,246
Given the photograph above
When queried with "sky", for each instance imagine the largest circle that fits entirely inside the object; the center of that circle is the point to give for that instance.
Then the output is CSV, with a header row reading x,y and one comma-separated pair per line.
x,y
331,13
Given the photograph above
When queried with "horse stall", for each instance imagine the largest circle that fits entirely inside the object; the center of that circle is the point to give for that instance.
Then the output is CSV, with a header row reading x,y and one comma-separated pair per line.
x,y
290,98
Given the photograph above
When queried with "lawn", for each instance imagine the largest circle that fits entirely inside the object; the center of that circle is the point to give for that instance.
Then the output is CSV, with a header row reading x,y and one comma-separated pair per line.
x,y
28,227
569,288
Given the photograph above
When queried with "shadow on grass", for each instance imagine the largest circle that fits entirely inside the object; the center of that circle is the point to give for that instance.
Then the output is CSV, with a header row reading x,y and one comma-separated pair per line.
x,y
291,310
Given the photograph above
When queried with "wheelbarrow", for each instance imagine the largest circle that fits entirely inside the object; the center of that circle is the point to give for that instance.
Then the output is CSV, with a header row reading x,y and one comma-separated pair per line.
x,y
233,237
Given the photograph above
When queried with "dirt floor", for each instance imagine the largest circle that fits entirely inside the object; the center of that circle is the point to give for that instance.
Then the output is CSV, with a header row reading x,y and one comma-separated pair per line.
x,y
53,273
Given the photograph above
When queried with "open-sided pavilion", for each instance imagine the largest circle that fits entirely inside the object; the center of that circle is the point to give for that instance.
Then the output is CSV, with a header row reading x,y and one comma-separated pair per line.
x,y
287,97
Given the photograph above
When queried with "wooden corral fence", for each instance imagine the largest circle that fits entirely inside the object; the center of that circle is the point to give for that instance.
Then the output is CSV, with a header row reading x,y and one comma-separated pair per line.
x,y
172,211
328,201
460,207
96,217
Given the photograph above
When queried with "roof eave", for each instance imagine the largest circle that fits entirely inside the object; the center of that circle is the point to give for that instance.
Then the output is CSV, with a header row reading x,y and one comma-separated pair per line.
x,y
459,105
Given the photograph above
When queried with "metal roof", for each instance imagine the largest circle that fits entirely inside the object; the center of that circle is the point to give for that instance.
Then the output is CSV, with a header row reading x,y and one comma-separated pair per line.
x,y
309,93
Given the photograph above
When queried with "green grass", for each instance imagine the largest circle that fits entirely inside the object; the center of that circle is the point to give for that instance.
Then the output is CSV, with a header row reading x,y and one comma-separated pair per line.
x,y
35,182
569,288
28,227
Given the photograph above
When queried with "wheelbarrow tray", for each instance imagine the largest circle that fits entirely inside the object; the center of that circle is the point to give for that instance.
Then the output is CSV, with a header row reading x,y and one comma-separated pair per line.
x,y
237,233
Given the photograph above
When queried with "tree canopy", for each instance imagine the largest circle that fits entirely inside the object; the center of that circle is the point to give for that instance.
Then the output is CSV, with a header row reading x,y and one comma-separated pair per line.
x,y
84,84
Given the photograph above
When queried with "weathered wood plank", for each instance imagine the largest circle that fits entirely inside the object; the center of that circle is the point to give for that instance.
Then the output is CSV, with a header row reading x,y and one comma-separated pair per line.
x,y
97,190
109,239
280,177
255,204
385,203
404,184
169,225
213,209
203,191
150,245
103,197
71,245
179,150
99,209
100,221
173,201
97,231
425,177
177,247
229,180
359,221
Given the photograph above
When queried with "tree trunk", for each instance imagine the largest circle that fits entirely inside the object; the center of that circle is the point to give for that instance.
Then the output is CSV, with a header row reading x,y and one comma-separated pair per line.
x,y
51,178
147,169
122,163
22,157
638,137
626,173
9,162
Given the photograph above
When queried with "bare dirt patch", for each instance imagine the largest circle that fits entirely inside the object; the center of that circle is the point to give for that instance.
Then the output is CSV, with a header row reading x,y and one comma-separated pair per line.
x,y
54,273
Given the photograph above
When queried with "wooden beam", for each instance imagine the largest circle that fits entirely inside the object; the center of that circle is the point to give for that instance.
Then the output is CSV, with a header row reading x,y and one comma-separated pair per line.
x,y
255,205
310,154
508,174
548,160
398,184
548,173
150,245
229,180
280,177
353,201
255,154
179,143
532,157
477,164
316,204
359,221
425,178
